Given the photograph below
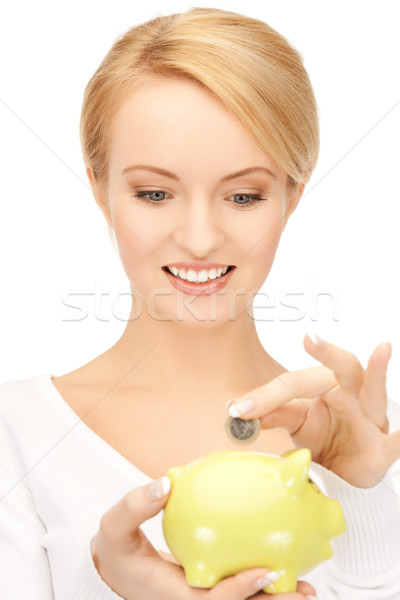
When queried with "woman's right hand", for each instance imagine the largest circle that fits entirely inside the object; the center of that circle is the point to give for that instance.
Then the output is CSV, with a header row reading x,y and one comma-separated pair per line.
x,y
130,565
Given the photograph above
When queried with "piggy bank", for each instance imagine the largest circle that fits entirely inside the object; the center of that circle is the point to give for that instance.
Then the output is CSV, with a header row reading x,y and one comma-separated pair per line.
x,y
235,510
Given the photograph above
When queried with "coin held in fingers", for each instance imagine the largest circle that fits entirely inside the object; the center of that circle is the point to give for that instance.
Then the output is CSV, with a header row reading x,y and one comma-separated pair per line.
x,y
241,431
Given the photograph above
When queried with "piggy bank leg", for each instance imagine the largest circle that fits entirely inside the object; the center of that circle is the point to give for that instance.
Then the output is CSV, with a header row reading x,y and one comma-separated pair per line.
x,y
199,575
286,583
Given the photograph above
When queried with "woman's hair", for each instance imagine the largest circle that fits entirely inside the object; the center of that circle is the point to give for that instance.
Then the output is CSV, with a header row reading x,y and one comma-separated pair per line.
x,y
245,63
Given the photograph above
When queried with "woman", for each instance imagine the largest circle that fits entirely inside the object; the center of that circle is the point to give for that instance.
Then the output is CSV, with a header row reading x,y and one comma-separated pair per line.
x,y
199,133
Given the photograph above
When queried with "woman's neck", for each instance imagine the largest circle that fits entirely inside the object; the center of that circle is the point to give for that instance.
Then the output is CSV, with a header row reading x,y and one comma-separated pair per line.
x,y
209,360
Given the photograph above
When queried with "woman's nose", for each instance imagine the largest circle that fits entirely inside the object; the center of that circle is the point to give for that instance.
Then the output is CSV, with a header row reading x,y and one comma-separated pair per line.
x,y
198,230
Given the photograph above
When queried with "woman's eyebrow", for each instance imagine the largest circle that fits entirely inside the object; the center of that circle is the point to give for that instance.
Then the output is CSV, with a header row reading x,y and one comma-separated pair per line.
x,y
250,170
166,173
150,168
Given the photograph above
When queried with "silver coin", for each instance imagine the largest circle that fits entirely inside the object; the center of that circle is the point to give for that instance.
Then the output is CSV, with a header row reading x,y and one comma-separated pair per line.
x,y
242,431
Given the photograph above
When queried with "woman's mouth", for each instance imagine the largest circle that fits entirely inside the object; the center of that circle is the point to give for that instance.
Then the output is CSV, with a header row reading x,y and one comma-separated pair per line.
x,y
206,281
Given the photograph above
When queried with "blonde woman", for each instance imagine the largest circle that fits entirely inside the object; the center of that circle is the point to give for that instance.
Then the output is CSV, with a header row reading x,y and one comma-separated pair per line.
x,y
199,133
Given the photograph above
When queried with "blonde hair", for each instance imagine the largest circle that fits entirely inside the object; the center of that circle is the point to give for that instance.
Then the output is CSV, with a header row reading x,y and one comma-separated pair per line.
x,y
248,65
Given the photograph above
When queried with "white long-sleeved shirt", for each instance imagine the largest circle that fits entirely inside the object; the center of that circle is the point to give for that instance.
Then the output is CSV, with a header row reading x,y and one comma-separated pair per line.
x,y
58,477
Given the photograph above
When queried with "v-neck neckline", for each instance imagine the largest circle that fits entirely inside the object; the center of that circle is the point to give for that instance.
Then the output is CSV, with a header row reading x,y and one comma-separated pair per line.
x,y
96,440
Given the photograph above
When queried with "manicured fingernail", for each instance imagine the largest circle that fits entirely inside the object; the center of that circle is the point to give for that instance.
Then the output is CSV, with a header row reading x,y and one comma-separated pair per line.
x,y
159,488
311,597
316,340
267,579
240,408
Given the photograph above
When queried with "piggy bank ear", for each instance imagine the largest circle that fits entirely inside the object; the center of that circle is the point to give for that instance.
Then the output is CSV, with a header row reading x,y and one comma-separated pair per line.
x,y
294,470
174,473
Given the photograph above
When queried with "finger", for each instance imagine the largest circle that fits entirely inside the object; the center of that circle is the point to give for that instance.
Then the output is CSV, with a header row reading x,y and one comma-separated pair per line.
x,y
243,585
305,588
247,583
290,416
373,391
121,521
346,366
305,383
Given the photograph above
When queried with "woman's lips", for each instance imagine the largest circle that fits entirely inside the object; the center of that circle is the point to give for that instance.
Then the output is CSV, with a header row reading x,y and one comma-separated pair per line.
x,y
197,289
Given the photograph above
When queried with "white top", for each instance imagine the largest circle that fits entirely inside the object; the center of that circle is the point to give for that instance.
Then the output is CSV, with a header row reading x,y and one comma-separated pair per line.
x,y
58,477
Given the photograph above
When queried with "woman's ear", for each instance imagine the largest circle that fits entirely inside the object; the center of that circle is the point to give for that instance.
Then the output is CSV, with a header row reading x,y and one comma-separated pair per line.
x,y
293,199
99,194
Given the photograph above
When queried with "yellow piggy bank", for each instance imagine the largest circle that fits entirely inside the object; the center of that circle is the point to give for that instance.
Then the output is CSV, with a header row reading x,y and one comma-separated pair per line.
x,y
234,510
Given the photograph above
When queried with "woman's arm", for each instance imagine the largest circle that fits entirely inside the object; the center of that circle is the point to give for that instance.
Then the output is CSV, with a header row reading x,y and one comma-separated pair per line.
x,y
366,560
372,562
24,566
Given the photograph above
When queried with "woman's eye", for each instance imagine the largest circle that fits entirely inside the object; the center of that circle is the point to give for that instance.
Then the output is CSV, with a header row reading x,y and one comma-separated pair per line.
x,y
151,197
248,199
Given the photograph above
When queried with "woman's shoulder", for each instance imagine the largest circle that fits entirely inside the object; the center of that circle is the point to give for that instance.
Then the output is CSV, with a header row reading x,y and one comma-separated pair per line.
x,y
22,402
16,391
21,408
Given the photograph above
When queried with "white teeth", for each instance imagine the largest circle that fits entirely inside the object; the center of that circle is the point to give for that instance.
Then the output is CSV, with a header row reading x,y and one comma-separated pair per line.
x,y
191,275
198,276
202,276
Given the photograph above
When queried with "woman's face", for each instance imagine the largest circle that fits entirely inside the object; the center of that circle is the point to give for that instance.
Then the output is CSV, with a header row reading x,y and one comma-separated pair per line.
x,y
197,208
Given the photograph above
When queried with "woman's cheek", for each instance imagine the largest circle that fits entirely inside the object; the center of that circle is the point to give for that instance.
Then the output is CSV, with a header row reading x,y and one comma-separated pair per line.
x,y
135,231
261,236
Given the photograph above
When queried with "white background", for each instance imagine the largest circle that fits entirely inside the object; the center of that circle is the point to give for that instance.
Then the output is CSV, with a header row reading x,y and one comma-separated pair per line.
x,y
342,241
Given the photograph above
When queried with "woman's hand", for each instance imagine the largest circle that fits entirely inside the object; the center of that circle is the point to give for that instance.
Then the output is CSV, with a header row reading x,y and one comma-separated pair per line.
x,y
130,565
338,411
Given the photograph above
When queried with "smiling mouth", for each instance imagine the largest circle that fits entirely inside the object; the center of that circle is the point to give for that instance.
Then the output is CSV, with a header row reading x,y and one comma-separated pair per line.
x,y
208,280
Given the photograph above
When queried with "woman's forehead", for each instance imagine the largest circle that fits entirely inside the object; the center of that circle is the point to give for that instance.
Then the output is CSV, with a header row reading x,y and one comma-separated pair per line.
x,y
172,103
175,116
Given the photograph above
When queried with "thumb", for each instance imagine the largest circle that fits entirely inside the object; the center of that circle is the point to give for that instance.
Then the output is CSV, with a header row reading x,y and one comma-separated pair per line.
x,y
123,519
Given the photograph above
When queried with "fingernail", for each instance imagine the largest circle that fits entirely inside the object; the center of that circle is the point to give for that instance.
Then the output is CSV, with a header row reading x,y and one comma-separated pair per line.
x,y
240,408
311,597
317,341
159,488
267,579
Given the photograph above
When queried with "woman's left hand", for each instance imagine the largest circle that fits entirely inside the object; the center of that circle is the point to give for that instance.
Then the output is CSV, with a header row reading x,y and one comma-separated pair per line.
x,y
338,411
